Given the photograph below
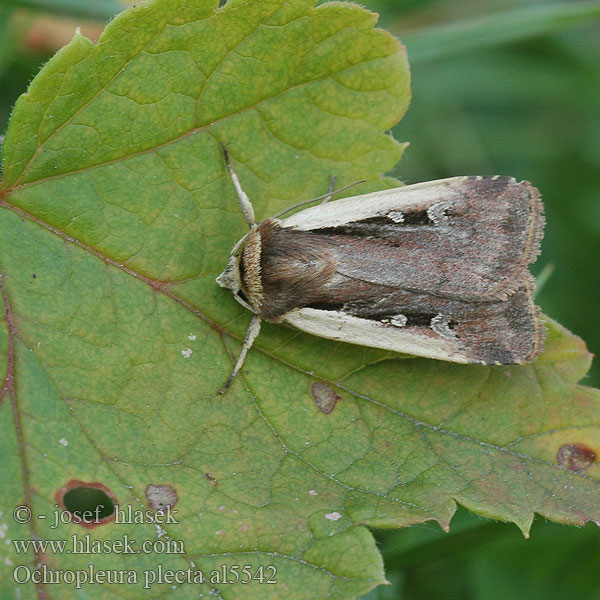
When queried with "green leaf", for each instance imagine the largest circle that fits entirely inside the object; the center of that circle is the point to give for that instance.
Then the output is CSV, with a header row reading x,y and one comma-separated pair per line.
x,y
435,43
118,213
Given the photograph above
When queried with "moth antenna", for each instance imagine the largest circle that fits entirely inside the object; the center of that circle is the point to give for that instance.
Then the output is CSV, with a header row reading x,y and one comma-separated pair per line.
x,y
251,334
325,198
245,204
330,192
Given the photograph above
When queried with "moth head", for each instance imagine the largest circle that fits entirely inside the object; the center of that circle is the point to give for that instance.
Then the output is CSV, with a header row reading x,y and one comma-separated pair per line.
x,y
230,277
242,273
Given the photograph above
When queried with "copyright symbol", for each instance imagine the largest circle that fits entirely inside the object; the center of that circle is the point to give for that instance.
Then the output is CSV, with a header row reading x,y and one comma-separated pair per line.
x,y
22,514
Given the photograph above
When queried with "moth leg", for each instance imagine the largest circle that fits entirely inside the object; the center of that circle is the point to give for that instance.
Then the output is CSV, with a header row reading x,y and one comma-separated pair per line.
x,y
251,333
245,203
330,192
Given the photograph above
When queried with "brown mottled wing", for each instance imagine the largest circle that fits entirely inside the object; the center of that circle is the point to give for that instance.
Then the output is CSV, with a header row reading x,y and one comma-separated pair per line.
x,y
503,332
437,269
469,238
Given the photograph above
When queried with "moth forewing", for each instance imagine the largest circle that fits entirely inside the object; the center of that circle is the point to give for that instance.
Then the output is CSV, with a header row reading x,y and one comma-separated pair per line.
x,y
504,332
415,197
337,325
464,237
436,269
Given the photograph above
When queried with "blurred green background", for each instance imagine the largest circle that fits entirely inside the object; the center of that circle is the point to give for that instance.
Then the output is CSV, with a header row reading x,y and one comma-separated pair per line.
x,y
506,87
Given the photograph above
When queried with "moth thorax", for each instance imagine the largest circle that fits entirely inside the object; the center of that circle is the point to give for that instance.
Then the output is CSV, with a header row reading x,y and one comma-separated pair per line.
x,y
250,270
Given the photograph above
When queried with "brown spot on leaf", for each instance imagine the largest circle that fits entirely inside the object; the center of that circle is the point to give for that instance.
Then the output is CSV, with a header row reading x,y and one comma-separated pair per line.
x,y
90,504
161,497
575,457
325,398
212,480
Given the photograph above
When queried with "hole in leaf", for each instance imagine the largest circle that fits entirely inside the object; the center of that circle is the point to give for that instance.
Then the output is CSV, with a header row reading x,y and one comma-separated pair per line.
x,y
91,504
84,499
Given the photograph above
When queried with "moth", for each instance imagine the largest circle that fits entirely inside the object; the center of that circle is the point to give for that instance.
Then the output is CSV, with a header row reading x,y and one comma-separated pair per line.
x,y
436,269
